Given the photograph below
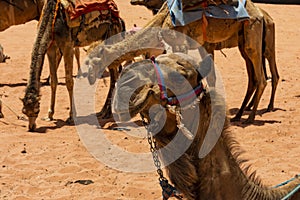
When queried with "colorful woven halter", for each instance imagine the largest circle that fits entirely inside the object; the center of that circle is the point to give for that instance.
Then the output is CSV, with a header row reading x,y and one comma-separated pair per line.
x,y
163,90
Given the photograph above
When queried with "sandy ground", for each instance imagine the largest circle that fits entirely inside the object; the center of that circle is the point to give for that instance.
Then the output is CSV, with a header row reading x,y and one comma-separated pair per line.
x,y
50,164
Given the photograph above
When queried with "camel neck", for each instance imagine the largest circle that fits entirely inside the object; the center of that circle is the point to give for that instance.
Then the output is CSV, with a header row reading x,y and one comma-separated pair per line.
x,y
40,47
219,175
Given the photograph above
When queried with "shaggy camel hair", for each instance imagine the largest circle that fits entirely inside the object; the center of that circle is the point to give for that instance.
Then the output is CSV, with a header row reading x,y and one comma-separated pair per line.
x,y
219,174
55,35
20,12
268,50
217,30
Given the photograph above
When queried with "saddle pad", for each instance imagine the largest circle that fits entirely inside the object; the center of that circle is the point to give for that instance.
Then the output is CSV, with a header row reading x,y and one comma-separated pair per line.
x,y
195,4
82,7
222,11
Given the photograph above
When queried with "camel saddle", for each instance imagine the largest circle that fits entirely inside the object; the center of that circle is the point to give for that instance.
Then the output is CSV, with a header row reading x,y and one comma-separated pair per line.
x,y
89,10
196,4
198,9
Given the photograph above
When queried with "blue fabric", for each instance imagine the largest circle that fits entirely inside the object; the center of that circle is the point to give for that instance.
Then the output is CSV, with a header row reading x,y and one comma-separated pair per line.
x,y
180,18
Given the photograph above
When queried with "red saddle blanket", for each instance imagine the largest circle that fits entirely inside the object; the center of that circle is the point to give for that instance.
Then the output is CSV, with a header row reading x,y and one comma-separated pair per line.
x,y
82,7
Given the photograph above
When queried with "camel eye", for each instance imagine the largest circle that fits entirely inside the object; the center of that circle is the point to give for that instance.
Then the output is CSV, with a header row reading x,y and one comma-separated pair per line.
x,y
24,111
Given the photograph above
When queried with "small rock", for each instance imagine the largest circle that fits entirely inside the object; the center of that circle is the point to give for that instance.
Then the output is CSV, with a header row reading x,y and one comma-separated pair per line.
x,y
24,151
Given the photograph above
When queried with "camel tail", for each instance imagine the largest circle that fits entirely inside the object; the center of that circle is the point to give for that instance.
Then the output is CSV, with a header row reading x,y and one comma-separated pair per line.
x,y
41,44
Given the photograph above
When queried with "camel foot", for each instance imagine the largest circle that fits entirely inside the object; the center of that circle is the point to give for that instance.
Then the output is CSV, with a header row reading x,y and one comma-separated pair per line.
x,y
250,120
70,121
248,108
47,119
1,115
104,114
235,119
270,108
31,128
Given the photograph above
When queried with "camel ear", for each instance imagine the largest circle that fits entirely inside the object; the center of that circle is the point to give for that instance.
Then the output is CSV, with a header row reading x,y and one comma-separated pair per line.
x,y
206,65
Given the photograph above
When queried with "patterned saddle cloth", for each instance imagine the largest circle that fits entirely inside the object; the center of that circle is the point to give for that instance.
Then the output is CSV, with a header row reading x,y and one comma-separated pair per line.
x,y
183,14
89,10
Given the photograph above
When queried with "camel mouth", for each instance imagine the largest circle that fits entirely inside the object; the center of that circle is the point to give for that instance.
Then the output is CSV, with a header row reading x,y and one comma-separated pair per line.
x,y
32,124
127,110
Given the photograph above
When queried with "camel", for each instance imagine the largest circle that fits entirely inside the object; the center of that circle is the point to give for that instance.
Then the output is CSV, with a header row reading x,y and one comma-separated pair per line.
x,y
268,49
20,12
198,174
248,34
55,35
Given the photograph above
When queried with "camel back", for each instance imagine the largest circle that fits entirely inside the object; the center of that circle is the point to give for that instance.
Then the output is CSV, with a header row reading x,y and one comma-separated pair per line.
x,y
188,5
87,11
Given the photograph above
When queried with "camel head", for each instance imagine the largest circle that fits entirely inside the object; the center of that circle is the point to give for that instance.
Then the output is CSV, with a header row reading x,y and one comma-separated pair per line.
x,y
139,88
31,108
96,65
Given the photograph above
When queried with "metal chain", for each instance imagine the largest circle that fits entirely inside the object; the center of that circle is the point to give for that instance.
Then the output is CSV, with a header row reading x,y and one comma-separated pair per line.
x,y
153,150
167,189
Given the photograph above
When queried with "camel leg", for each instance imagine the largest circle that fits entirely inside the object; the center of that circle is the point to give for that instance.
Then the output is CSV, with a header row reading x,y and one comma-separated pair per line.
x,y
77,56
1,114
251,84
68,58
209,48
106,110
270,55
253,49
54,58
250,105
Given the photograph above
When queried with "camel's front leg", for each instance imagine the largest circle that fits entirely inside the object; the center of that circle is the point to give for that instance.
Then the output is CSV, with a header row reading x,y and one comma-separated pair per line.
x,y
68,59
54,58
106,112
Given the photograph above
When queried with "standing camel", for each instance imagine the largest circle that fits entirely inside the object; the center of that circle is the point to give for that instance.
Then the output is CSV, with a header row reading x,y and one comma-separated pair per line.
x,y
20,12
217,173
55,35
268,50
249,36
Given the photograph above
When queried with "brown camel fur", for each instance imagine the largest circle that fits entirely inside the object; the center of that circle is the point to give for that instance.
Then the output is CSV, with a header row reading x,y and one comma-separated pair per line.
x,y
249,36
268,50
219,174
20,12
54,35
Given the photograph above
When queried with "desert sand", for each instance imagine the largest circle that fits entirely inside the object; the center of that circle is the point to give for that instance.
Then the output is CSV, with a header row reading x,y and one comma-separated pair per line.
x,y
53,163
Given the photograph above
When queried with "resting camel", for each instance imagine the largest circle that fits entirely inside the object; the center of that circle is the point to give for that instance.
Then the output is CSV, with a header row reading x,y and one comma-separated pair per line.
x,y
249,36
55,34
20,12
216,174
268,49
